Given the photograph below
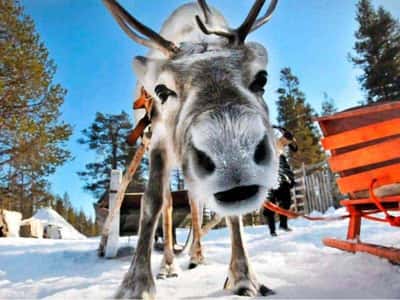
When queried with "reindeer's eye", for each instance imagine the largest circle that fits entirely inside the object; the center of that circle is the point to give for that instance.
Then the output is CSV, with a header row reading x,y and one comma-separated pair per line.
x,y
257,86
163,92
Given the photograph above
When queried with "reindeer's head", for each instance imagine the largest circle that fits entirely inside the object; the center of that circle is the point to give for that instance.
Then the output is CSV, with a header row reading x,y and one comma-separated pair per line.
x,y
209,98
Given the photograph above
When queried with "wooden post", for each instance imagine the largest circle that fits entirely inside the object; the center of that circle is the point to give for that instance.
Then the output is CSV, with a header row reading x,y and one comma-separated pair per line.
x,y
134,164
294,196
113,237
307,197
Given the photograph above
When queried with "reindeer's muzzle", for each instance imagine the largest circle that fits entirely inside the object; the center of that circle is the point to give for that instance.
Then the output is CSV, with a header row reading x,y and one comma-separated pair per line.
x,y
237,194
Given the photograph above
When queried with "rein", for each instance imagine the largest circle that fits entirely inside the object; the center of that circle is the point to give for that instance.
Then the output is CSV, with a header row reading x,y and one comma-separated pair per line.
x,y
292,215
145,101
392,220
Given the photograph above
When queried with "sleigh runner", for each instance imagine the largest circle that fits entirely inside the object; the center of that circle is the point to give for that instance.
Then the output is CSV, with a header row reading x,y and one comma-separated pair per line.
x,y
365,148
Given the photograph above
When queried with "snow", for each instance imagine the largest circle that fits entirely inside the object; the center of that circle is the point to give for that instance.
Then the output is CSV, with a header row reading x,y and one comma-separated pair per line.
x,y
49,216
295,265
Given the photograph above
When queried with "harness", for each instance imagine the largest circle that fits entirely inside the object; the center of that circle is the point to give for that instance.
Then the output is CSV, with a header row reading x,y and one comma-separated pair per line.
x,y
145,101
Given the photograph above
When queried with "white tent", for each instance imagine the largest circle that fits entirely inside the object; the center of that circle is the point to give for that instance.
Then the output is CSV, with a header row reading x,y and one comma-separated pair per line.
x,y
56,226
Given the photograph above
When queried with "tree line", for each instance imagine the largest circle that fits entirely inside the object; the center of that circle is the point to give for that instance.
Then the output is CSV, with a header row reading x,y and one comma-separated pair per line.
x,y
33,135
77,218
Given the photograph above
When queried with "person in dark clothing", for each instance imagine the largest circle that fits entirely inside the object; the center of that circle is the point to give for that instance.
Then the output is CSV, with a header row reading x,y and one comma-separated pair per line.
x,y
282,195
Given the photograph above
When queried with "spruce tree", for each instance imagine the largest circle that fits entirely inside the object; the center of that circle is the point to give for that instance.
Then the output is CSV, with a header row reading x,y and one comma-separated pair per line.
x,y
328,106
71,215
377,54
296,115
106,136
59,207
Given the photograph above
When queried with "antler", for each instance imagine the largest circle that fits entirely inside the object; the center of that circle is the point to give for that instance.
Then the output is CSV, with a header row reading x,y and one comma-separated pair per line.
x,y
264,19
206,10
127,22
251,23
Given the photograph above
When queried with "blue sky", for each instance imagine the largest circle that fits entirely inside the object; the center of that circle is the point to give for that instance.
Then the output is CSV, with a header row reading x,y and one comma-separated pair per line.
x,y
94,57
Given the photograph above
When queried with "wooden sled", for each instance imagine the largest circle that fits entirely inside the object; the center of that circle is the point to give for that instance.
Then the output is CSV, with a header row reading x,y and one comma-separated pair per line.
x,y
365,147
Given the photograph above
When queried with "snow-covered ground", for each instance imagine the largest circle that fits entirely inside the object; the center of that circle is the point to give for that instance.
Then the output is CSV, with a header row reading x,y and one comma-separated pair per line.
x,y
295,265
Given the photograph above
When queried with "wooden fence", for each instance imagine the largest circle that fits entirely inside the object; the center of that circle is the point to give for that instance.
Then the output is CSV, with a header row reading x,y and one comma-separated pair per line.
x,y
315,188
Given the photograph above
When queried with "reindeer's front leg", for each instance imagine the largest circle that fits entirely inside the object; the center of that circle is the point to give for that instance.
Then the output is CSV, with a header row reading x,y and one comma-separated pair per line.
x,y
241,279
196,251
168,267
138,283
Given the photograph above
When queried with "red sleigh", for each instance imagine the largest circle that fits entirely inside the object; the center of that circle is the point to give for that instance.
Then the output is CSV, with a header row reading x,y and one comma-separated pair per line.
x,y
365,152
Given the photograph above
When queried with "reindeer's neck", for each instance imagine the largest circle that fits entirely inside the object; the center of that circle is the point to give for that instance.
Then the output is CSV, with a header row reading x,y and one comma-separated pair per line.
x,y
181,27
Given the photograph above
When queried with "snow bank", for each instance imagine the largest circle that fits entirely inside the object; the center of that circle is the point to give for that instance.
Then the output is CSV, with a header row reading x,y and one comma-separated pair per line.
x,y
296,265
49,216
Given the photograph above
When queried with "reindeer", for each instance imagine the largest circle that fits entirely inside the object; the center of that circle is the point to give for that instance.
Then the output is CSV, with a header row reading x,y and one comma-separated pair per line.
x,y
209,118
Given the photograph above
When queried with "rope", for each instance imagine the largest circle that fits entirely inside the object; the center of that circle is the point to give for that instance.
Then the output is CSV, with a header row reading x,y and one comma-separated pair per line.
x,y
392,220
291,214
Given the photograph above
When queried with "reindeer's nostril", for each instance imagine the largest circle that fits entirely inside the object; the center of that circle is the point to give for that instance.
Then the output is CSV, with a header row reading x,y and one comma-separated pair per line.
x,y
237,194
261,153
204,161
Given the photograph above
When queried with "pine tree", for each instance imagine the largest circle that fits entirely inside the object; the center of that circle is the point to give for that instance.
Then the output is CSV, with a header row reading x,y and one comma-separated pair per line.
x,y
60,208
71,215
81,222
377,52
328,106
107,137
32,136
296,115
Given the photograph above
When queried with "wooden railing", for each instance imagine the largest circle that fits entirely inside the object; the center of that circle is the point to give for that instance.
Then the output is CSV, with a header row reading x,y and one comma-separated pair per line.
x,y
315,188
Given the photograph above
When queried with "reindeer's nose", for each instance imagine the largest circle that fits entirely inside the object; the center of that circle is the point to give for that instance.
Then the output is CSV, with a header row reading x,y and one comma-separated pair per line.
x,y
261,153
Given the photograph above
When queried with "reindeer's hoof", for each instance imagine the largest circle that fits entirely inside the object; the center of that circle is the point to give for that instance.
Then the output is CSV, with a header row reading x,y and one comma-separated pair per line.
x,y
161,275
265,291
135,290
195,261
248,288
192,265
252,292
243,291
130,295
168,271
137,284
